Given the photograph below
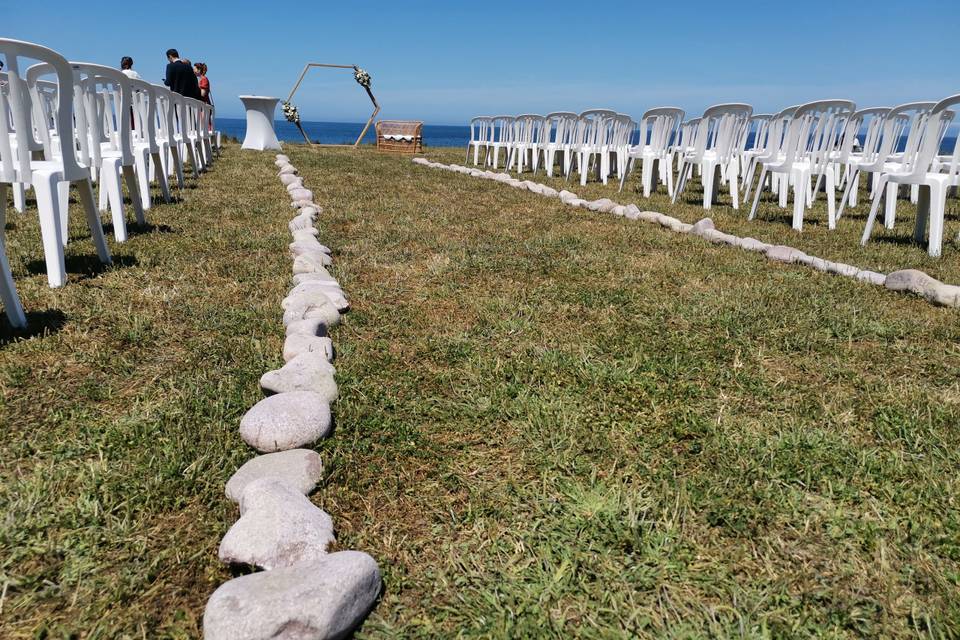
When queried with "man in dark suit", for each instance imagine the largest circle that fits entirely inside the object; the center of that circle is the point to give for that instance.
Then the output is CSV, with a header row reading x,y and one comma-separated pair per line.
x,y
180,77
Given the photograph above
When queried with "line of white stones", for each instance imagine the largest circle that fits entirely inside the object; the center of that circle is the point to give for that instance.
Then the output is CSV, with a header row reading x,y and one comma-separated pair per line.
x,y
906,280
303,591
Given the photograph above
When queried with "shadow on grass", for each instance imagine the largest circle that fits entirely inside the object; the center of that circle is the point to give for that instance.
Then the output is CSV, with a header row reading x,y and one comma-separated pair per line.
x,y
137,229
84,266
39,323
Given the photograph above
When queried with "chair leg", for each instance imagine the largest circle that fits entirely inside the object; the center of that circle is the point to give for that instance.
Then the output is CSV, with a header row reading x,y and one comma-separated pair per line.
x,y
130,178
871,219
45,188
830,179
19,196
756,196
85,197
161,178
849,193
8,290
110,183
63,203
142,168
890,213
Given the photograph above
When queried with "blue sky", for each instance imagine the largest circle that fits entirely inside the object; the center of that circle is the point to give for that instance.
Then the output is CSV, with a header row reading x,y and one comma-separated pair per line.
x,y
444,61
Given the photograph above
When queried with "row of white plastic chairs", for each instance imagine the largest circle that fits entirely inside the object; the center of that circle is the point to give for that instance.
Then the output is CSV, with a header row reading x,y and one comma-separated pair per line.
x,y
66,124
824,145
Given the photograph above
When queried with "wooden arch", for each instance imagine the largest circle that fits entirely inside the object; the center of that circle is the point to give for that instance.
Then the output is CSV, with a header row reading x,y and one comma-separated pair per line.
x,y
355,68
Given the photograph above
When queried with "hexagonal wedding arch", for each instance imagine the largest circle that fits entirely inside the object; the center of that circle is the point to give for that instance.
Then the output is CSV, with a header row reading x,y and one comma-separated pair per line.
x,y
356,70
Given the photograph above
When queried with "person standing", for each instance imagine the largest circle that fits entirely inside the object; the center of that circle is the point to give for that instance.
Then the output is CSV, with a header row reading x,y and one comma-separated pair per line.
x,y
200,70
126,67
180,77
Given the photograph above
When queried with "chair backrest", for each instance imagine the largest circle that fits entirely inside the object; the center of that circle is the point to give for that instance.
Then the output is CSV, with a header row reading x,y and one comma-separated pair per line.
x,y
501,129
871,122
687,133
594,127
145,113
720,129
166,108
755,134
16,107
480,129
623,127
109,103
658,127
527,128
559,127
925,158
815,131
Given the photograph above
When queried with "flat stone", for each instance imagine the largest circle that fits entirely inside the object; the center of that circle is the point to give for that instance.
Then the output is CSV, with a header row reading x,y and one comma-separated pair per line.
x,y
307,245
279,527
752,244
281,158
300,204
924,285
296,344
306,372
872,277
286,421
314,276
287,169
550,192
783,253
604,205
717,237
320,600
310,263
306,327
288,179
301,194
619,210
311,210
420,161
301,469
702,225
331,290
312,303
842,269
304,234
295,183
300,223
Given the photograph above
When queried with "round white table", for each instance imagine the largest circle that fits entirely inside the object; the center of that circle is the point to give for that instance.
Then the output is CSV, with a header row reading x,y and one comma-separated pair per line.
x,y
260,133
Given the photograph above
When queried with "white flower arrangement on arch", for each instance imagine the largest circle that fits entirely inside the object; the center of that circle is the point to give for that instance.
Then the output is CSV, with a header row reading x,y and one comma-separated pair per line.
x,y
362,77
291,113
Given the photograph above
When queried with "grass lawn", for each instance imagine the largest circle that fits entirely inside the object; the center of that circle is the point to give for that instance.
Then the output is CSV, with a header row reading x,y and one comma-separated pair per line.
x,y
552,422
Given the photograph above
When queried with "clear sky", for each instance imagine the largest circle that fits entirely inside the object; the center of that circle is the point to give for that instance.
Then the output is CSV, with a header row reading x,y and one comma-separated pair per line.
x,y
444,61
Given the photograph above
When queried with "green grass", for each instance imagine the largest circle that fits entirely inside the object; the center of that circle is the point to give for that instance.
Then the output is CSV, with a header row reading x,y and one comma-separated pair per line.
x,y
552,422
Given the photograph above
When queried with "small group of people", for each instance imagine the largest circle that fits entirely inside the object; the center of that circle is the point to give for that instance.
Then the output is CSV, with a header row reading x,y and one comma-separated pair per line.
x,y
183,77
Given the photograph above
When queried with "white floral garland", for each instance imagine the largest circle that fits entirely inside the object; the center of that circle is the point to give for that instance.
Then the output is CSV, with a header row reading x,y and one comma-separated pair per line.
x,y
362,77
291,113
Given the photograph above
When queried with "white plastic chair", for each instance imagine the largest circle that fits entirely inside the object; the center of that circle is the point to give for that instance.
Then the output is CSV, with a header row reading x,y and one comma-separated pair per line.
x,y
56,165
776,136
108,99
501,132
525,142
854,157
559,128
480,132
172,161
714,145
813,135
657,130
924,167
593,143
146,148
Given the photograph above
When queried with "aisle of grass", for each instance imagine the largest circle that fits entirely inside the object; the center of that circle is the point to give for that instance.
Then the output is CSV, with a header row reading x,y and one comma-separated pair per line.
x,y
560,422
119,418
552,422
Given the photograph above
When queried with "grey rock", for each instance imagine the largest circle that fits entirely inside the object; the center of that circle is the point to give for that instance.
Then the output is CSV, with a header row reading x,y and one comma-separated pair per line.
x,y
321,600
567,195
296,344
279,527
752,244
313,276
702,225
872,277
299,204
287,169
310,264
304,234
550,192
717,237
301,469
286,421
842,269
420,161
308,371
281,158
619,210
783,253
306,327
604,205
924,285
331,290
631,212
301,194
308,245
533,186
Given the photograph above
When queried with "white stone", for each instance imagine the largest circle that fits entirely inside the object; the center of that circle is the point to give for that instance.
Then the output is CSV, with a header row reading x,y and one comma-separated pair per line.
x,y
872,277
783,253
279,528
322,600
421,161
752,244
924,285
302,469
314,276
299,204
310,264
286,421
306,327
288,178
296,344
550,192
299,223
313,303
304,234
702,225
604,205
331,290
308,371
301,194
307,245
287,169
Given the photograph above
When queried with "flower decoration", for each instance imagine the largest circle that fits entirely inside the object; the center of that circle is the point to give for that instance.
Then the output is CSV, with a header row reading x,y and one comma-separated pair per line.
x,y
290,113
362,77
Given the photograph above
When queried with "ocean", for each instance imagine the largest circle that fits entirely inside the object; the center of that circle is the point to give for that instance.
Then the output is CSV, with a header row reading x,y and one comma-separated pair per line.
x,y
434,135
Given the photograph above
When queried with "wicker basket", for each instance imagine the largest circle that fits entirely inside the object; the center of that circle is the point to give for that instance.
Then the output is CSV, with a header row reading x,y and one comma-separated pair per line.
x,y
400,136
